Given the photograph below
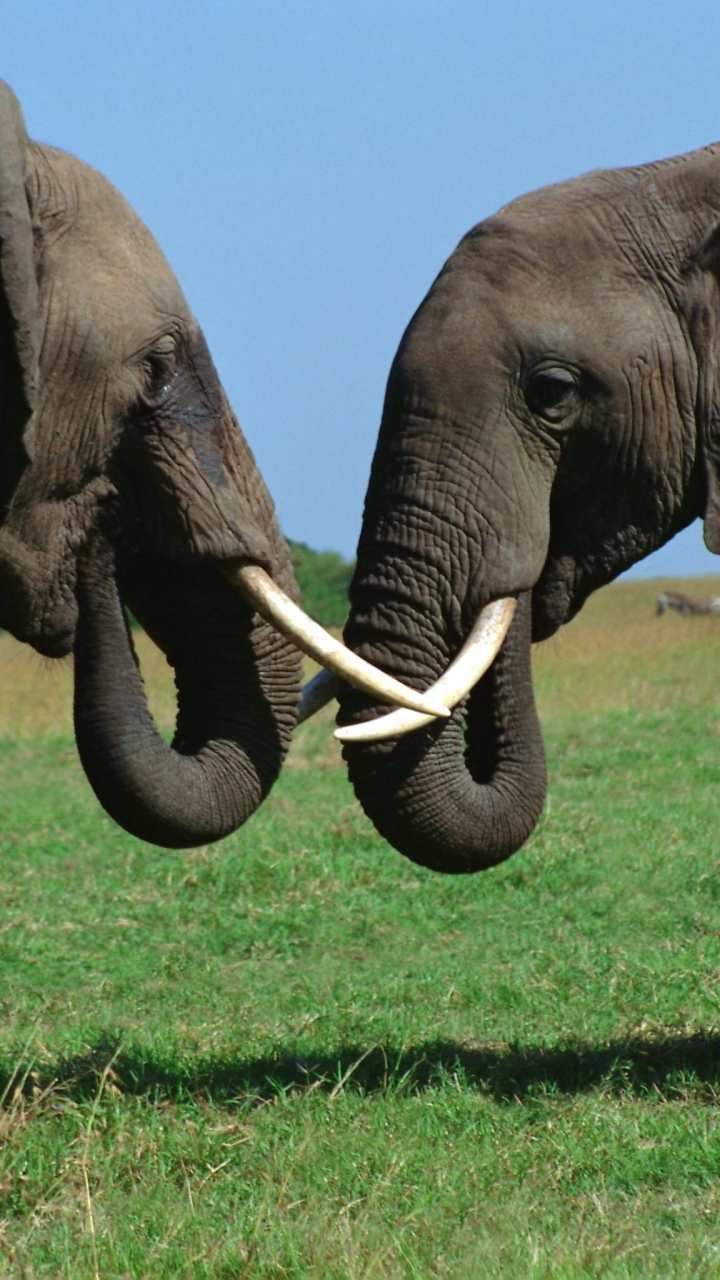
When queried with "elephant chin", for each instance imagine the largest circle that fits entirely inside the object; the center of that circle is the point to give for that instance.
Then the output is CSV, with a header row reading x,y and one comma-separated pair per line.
x,y
462,807
237,685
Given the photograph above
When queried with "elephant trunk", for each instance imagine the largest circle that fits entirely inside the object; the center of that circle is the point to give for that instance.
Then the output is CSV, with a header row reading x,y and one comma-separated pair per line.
x,y
456,518
453,810
237,684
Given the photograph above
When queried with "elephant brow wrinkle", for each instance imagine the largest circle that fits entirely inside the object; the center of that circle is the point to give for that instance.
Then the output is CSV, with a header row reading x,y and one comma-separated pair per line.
x,y
435,413
53,201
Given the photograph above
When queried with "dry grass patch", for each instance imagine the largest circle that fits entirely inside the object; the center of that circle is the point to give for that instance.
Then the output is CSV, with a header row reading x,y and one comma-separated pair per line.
x,y
36,693
618,655
615,654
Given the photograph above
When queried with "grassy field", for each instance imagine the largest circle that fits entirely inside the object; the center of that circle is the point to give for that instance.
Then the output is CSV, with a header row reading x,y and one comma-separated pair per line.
x,y
296,1054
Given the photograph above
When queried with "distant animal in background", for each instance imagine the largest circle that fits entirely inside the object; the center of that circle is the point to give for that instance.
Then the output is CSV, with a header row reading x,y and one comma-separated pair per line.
x,y
687,604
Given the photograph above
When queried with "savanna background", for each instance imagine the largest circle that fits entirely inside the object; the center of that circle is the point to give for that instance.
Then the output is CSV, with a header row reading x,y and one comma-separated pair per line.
x,y
296,1054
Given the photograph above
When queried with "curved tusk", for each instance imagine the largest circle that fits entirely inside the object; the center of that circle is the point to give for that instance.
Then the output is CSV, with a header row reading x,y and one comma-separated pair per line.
x,y
282,613
317,693
477,654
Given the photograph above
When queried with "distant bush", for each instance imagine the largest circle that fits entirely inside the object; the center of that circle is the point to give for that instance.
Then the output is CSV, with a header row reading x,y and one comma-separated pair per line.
x,y
324,580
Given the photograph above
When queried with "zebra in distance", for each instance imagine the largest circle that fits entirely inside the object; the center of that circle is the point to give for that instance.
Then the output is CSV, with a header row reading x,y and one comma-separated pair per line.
x,y
687,605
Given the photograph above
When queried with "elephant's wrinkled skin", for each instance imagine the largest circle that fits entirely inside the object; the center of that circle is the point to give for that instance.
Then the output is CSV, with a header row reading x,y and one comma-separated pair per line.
x,y
551,417
124,474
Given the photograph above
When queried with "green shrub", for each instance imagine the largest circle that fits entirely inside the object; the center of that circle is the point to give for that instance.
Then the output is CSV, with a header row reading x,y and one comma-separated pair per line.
x,y
324,580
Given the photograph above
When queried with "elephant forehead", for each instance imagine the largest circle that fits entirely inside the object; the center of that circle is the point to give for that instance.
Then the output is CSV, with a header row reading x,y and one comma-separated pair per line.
x,y
99,257
511,295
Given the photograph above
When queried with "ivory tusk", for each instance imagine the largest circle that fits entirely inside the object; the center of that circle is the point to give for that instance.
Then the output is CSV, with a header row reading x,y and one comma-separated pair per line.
x,y
477,654
317,693
282,613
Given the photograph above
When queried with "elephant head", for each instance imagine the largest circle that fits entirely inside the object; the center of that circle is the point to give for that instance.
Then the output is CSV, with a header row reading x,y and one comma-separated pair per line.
x,y
552,416
124,477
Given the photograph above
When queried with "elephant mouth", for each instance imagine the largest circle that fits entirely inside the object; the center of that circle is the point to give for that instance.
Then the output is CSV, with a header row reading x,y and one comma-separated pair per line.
x,y
38,597
40,544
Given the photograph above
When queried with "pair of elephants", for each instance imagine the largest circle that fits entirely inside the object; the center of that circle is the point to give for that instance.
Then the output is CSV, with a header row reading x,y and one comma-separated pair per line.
x,y
552,416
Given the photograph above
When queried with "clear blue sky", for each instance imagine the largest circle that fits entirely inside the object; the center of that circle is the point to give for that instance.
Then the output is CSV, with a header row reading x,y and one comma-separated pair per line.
x,y
308,166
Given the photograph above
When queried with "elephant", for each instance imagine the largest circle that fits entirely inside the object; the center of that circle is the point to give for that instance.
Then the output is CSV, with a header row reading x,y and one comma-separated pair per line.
x,y
552,416
125,481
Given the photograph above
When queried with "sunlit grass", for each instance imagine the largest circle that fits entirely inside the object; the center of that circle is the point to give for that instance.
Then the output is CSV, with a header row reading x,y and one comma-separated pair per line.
x,y
36,693
618,654
295,1054
615,654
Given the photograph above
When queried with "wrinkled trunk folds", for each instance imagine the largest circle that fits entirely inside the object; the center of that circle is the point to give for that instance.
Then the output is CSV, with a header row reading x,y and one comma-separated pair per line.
x,y
237,682
458,808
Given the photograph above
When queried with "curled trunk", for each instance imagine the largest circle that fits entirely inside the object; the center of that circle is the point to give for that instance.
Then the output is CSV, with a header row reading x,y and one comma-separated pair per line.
x,y
237,685
453,808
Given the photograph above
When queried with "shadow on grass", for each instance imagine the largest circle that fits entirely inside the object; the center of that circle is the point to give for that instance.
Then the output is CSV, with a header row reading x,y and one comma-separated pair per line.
x,y
669,1067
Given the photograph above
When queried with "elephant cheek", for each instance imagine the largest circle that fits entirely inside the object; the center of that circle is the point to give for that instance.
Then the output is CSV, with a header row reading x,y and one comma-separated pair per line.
x,y
512,566
189,505
208,524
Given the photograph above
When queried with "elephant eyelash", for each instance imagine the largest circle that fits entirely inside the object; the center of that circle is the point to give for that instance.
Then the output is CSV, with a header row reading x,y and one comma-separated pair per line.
x,y
159,370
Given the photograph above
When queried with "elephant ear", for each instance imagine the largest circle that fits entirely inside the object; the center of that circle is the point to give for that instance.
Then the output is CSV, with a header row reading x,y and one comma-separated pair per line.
x,y
705,331
18,282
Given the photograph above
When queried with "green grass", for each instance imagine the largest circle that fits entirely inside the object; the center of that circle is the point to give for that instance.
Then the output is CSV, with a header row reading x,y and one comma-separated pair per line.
x,y
296,1054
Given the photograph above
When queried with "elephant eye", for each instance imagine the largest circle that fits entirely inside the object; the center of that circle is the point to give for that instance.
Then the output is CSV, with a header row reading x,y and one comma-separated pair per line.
x,y
159,368
552,395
